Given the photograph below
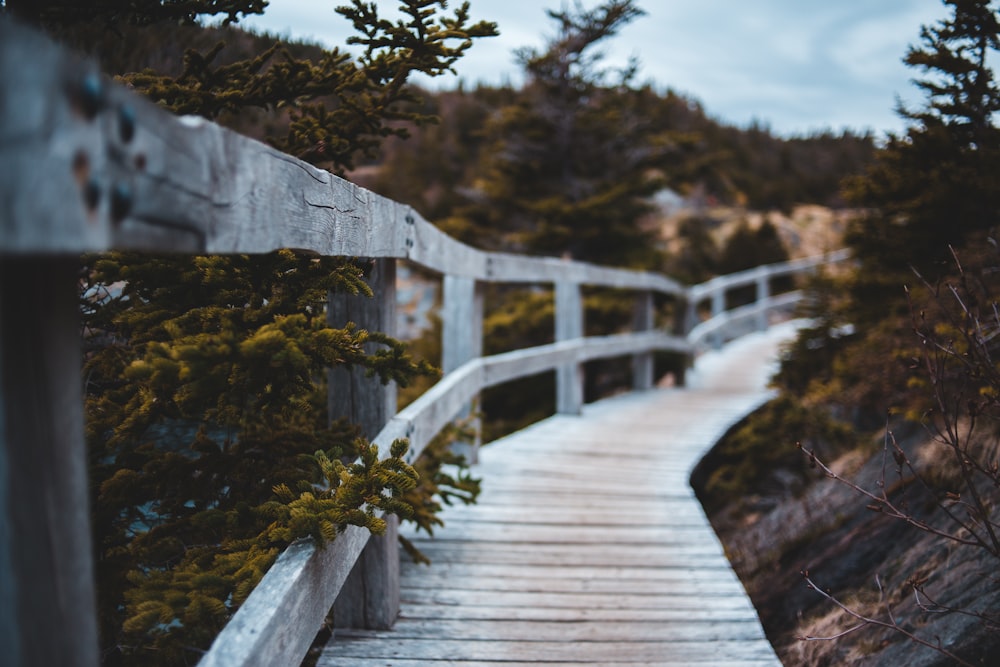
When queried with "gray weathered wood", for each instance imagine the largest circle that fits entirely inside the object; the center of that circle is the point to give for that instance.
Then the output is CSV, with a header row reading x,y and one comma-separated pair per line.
x,y
733,323
278,622
535,577
763,294
569,326
462,340
47,601
365,400
462,322
642,363
370,598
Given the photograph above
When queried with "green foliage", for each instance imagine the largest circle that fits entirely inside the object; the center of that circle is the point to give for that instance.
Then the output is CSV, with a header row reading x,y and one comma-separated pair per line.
x,y
746,248
136,12
570,163
926,192
208,435
222,551
697,257
934,186
340,108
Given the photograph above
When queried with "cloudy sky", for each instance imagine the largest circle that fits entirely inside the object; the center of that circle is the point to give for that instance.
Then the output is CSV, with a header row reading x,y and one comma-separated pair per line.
x,y
797,66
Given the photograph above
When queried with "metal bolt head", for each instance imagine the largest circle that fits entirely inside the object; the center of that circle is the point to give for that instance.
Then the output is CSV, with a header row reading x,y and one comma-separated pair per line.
x,y
126,122
91,94
121,201
92,193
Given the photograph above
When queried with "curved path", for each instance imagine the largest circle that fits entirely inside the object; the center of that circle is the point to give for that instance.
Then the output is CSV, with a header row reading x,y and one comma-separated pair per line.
x,y
587,545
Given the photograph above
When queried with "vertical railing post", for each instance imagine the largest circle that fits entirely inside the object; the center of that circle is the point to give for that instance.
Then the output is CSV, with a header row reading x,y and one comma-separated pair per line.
x,y
462,337
642,363
47,599
370,597
718,307
569,326
763,294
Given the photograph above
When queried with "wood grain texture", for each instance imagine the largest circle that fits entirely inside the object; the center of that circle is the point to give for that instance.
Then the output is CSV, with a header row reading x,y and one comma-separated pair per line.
x,y
569,326
588,546
370,596
278,622
47,597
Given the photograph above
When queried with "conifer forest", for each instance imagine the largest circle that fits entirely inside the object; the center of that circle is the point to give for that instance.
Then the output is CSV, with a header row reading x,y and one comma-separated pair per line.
x,y
210,442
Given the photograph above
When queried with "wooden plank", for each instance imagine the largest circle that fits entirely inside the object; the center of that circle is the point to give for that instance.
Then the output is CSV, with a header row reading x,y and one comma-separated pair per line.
x,y
569,326
278,622
489,612
533,554
540,631
352,394
708,584
661,532
370,596
472,574
642,320
505,267
664,662
47,597
641,514
731,602
421,420
462,341
415,573
544,652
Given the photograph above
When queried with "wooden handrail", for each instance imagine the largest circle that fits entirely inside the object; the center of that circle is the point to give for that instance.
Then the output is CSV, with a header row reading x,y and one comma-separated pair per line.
x,y
88,166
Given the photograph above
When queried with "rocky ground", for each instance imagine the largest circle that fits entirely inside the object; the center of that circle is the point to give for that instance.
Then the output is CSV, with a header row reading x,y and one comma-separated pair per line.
x,y
863,558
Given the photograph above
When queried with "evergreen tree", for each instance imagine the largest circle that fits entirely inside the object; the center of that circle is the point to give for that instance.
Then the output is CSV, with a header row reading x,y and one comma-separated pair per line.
x,y
569,163
209,441
937,184
746,248
930,190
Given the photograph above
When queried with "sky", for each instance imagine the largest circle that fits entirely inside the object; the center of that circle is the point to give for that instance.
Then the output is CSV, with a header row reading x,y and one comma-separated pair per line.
x,y
795,66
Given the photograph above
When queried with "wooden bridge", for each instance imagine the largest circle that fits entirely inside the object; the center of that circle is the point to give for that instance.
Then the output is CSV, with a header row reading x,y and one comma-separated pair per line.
x,y
86,166
587,545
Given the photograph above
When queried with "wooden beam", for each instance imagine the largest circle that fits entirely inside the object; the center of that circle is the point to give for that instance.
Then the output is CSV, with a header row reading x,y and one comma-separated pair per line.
x,y
370,597
462,341
47,599
569,326
643,317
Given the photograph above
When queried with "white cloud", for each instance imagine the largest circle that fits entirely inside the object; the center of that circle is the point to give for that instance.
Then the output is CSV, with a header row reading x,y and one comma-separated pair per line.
x,y
798,65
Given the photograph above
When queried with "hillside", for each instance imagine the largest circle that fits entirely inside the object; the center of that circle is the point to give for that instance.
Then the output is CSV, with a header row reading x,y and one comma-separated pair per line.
x,y
797,520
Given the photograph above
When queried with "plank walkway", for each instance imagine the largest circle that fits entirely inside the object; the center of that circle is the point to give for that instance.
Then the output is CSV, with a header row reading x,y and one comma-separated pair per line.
x,y
587,545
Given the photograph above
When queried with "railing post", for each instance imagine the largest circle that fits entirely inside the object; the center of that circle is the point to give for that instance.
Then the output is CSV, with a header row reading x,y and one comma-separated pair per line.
x,y
569,326
47,600
763,294
643,320
718,307
370,597
462,336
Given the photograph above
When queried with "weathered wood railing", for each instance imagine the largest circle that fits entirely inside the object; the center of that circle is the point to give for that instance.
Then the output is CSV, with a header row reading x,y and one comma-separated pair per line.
x,y
88,166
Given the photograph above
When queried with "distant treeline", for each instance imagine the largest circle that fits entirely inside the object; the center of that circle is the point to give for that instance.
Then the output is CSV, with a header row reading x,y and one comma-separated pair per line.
x,y
438,167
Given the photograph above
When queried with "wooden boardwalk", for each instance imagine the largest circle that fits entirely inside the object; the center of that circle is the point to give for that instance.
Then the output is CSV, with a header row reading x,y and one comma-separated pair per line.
x,y
588,545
